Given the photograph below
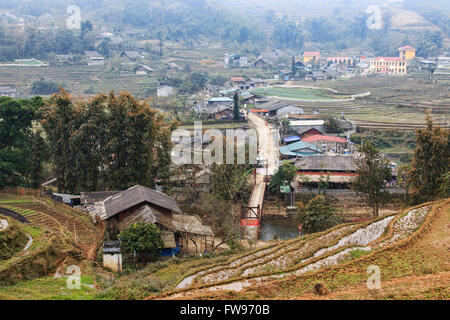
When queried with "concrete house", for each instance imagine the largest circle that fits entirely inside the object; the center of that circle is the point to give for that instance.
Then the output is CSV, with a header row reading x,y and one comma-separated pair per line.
x,y
235,61
328,143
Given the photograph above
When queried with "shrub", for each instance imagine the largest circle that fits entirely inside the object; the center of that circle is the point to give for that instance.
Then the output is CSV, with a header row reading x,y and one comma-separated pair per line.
x,y
141,237
316,215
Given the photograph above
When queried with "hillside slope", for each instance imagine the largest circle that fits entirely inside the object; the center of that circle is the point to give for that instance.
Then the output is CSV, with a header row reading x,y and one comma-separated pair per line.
x,y
410,248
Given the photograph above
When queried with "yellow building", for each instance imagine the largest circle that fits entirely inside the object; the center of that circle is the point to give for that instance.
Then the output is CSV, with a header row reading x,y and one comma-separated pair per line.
x,y
407,53
388,66
309,56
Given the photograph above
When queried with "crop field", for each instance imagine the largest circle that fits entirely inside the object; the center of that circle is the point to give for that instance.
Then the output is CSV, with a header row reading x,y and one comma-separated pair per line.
x,y
394,101
77,79
296,93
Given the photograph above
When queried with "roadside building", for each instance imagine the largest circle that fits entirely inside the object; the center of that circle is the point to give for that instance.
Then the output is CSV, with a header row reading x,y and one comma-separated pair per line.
x,y
328,143
297,125
339,170
307,131
279,109
299,149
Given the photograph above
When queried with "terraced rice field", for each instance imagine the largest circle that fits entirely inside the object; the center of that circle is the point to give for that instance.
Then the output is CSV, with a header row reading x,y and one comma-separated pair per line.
x,y
300,256
296,93
56,218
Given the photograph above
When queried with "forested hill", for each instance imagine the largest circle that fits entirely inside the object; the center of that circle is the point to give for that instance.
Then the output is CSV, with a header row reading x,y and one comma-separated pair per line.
x,y
169,19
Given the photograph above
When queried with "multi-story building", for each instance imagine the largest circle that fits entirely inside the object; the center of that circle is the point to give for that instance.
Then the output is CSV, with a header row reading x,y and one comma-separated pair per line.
x,y
407,53
388,66
309,56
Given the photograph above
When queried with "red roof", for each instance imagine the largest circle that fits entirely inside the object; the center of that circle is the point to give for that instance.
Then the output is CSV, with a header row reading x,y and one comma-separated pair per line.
x,y
319,137
237,79
311,53
257,110
406,48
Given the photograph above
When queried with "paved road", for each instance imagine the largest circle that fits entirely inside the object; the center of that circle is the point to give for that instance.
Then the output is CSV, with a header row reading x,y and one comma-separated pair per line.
x,y
268,150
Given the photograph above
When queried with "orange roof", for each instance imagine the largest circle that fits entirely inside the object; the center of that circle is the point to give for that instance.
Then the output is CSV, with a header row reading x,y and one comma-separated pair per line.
x,y
256,110
406,48
237,79
319,137
311,53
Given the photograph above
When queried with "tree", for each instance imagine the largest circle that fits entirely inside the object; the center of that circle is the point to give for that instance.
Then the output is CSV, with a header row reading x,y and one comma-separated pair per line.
x,y
58,116
236,113
286,173
37,156
430,162
373,172
44,87
16,140
316,215
293,67
141,237
444,189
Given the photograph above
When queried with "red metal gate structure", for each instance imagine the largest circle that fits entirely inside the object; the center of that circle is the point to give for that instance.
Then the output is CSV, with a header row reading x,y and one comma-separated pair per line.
x,y
251,216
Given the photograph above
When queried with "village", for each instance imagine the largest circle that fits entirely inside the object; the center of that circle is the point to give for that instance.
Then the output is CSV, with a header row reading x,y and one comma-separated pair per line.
x,y
154,164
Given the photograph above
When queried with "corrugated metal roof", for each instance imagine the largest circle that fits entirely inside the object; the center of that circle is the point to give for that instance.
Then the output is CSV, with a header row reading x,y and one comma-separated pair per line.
x,y
136,195
327,163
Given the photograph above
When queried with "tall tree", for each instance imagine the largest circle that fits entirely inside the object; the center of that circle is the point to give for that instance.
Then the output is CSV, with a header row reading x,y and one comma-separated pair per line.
x,y
236,114
431,161
58,117
373,173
